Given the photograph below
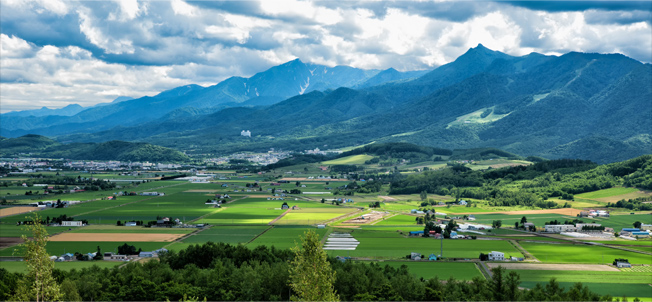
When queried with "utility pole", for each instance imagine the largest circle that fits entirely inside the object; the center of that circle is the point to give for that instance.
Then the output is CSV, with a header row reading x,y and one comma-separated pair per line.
x,y
441,251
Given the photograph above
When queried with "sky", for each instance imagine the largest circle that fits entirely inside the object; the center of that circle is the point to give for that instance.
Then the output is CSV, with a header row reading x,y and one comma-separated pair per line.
x,y
54,53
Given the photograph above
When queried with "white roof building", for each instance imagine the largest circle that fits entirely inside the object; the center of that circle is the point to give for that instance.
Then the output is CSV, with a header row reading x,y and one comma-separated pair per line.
x,y
558,228
496,256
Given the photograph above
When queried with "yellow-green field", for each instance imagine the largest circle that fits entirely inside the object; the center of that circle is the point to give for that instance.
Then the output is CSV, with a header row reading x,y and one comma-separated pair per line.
x,y
349,160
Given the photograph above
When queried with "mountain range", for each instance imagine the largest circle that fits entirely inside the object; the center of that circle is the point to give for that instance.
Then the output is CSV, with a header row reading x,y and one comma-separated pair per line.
x,y
577,105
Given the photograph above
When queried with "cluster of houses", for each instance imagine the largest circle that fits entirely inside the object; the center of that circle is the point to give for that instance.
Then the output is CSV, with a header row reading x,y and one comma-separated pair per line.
x,y
594,213
152,194
436,235
108,256
52,203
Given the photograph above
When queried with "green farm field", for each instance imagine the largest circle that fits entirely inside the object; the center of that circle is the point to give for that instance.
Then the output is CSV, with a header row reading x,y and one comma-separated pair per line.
x,y
21,267
398,220
312,216
100,228
230,234
283,237
395,248
61,247
619,221
349,160
442,270
234,216
607,193
629,290
569,253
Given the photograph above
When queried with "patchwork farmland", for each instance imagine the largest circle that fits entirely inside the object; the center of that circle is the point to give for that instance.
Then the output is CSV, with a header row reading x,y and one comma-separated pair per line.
x,y
260,216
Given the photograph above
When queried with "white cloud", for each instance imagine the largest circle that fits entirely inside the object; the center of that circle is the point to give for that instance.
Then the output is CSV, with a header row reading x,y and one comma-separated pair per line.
x,y
93,50
129,9
96,36
12,47
182,8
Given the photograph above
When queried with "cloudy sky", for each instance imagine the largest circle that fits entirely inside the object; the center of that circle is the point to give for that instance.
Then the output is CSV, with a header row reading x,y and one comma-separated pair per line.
x,y
54,53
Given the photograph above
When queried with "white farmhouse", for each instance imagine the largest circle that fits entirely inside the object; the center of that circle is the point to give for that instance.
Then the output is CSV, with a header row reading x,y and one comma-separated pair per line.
x,y
71,223
496,256
558,228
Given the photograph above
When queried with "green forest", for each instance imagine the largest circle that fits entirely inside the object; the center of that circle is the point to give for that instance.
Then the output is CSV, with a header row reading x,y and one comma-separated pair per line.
x,y
529,185
223,272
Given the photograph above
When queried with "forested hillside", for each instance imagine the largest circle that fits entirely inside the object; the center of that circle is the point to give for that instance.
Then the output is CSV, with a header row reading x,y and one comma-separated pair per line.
x,y
40,146
529,185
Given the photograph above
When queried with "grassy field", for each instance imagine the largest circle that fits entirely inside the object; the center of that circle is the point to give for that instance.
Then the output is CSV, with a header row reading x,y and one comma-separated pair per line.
x,y
125,229
283,237
399,220
398,248
442,270
607,193
312,216
568,253
230,234
233,216
617,222
349,160
21,267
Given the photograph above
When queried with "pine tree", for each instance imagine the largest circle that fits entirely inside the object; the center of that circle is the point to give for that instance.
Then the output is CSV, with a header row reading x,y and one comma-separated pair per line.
x,y
311,276
38,284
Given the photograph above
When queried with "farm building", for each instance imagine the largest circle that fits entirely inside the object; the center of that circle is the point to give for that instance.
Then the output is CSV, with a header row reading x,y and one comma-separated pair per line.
x,y
463,202
146,254
646,226
432,257
71,223
623,264
150,194
321,226
641,234
131,223
415,256
496,256
558,228
416,233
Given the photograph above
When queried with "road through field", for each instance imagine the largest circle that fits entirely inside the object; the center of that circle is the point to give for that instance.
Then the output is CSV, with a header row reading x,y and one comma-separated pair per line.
x,y
555,267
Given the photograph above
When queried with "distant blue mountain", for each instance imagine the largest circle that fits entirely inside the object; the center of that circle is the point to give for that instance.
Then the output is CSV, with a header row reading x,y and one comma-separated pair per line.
x,y
578,105
264,88
69,110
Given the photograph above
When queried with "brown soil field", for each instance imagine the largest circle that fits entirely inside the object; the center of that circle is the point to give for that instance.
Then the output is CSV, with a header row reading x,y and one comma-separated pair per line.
x,y
564,211
9,241
642,193
387,198
17,210
556,267
369,218
116,237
